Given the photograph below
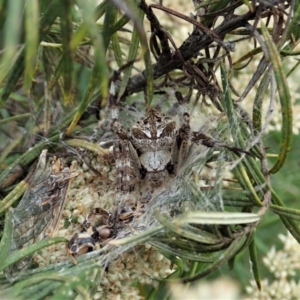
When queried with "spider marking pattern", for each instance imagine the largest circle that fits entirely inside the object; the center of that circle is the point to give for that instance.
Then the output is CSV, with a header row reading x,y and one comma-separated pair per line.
x,y
38,213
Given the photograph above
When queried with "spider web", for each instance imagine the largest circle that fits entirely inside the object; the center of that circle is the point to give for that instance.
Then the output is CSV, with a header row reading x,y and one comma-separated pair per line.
x,y
199,184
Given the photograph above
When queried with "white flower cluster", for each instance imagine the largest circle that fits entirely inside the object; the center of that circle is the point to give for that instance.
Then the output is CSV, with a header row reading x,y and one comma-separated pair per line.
x,y
284,265
222,288
145,265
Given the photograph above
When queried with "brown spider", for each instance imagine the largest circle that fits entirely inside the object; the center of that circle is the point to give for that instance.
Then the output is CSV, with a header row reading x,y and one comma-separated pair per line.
x,y
155,150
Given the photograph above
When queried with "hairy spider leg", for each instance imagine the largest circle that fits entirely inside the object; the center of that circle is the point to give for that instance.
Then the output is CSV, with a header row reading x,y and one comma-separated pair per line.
x,y
182,144
200,137
126,159
184,117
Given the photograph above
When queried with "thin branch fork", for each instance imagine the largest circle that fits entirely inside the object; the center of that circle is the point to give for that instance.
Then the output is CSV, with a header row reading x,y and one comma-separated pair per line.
x,y
190,47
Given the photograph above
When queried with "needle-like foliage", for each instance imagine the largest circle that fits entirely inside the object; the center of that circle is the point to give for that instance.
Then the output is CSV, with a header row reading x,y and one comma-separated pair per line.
x,y
57,62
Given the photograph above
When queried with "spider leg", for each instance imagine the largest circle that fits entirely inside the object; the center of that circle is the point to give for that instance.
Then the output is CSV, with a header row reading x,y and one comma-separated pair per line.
x,y
182,143
184,117
127,168
186,134
210,142
126,158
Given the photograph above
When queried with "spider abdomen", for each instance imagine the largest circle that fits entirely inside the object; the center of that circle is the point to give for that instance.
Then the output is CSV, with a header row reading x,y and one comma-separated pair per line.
x,y
155,161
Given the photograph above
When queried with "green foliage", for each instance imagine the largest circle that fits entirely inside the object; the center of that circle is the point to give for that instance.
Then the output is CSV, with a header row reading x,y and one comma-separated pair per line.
x,y
56,64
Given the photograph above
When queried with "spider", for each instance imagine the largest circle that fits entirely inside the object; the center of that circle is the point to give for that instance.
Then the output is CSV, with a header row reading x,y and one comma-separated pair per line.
x,y
155,150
